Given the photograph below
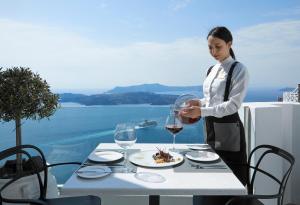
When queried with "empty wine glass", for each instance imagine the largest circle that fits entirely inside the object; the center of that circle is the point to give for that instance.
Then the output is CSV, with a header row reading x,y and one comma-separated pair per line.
x,y
173,125
125,137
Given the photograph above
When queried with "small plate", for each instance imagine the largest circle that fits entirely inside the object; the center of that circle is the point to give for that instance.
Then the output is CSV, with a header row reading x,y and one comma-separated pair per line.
x,y
145,159
150,177
91,172
199,146
202,156
105,156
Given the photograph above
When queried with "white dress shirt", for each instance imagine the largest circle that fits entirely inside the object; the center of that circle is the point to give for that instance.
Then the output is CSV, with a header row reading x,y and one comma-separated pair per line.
x,y
214,88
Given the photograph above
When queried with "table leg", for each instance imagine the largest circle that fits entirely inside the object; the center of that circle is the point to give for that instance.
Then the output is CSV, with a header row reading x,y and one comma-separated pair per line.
x,y
153,199
210,200
196,200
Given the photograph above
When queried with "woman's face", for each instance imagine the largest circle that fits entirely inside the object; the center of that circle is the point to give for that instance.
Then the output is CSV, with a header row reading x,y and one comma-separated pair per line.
x,y
218,48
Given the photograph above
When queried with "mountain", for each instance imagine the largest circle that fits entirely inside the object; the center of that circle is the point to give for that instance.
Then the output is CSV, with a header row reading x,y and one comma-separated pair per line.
x,y
119,98
154,88
71,97
154,94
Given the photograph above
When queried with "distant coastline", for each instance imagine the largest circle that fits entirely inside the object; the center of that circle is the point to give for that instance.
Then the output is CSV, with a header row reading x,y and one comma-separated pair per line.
x,y
156,94
77,105
152,94
119,98
153,88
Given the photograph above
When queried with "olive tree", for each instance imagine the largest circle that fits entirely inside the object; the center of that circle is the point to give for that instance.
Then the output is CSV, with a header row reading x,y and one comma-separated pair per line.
x,y
24,95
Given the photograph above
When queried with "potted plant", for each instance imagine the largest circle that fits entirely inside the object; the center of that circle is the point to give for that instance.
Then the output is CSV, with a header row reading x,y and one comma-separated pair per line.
x,y
24,95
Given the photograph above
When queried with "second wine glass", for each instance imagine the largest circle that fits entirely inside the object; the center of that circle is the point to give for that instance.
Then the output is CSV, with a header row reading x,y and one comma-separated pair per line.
x,y
173,125
125,137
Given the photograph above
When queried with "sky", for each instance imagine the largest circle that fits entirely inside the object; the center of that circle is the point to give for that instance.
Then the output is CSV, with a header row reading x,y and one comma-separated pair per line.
x,y
99,44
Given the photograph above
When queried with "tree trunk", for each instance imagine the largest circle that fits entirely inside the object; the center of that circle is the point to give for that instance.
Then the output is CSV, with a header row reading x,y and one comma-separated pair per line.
x,y
18,143
298,92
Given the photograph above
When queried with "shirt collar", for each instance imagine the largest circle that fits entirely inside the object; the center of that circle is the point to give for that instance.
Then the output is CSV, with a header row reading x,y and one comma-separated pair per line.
x,y
227,61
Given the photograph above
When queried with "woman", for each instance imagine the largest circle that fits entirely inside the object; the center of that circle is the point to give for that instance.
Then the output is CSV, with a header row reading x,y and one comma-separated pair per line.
x,y
224,90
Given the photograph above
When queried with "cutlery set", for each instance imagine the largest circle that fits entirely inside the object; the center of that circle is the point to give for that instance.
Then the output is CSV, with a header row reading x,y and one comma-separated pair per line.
x,y
114,167
210,166
119,166
107,165
196,166
92,171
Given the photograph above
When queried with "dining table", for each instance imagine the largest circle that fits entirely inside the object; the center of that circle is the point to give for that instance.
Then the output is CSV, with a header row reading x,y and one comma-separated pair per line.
x,y
186,175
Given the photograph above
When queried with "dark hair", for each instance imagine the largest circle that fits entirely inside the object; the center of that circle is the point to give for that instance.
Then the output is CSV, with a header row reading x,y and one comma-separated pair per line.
x,y
223,33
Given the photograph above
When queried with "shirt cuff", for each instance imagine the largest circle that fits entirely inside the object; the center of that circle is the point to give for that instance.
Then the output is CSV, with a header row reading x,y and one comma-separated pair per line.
x,y
207,111
202,101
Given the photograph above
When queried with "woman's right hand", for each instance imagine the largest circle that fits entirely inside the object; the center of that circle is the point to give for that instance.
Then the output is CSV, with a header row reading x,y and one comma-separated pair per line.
x,y
190,112
191,103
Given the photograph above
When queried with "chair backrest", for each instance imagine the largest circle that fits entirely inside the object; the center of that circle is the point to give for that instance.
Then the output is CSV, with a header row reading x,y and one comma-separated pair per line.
x,y
36,165
260,152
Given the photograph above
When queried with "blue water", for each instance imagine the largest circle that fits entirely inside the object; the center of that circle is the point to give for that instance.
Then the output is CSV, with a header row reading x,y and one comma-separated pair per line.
x,y
73,131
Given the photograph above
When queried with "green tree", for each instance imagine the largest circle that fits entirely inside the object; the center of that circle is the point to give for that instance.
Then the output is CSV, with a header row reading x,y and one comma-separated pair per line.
x,y
24,95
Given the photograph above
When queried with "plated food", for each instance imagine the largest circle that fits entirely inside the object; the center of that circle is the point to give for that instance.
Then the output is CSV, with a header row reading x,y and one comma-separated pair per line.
x,y
162,157
155,158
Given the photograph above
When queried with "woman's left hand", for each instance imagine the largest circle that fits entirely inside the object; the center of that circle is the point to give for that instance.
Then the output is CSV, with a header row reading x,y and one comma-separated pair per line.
x,y
190,112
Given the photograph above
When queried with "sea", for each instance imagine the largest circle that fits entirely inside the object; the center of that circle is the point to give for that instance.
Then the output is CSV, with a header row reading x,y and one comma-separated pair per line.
x,y
75,130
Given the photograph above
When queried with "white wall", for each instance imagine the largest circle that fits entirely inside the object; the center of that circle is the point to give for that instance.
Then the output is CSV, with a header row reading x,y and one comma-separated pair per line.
x,y
296,152
277,124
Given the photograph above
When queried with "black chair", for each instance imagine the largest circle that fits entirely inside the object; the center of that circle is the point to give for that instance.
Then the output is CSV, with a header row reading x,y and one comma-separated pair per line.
x,y
37,165
263,151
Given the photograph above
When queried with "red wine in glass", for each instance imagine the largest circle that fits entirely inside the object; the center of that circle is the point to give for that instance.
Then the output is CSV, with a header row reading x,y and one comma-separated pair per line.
x,y
174,129
173,125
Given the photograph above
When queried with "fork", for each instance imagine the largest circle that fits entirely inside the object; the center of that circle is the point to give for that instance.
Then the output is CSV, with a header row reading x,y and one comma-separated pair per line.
x,y
107,165
216,166
92,171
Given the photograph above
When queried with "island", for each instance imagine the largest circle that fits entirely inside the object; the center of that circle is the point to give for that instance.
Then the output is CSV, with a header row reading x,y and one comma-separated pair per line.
x,y
119,98
153,94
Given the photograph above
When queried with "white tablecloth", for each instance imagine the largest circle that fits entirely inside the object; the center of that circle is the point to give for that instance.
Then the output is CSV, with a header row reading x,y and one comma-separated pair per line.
x,y
177,183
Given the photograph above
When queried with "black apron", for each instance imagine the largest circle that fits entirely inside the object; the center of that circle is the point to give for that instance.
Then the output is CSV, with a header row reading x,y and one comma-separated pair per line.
x,y
226,136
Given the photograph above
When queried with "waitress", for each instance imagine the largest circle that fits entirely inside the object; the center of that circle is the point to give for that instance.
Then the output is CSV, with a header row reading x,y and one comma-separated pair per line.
x,y
224,90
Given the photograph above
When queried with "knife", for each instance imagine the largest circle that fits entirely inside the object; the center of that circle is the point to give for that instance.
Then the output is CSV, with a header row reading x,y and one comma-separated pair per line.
x,y
92,171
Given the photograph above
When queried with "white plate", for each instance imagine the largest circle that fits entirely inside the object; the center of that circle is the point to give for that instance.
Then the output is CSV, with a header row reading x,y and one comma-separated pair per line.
x,y
145,159
150,177
202,156
105,156
91,172
199,146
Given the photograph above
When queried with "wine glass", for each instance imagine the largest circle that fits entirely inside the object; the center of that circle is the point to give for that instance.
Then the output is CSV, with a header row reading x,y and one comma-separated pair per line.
x,y
125,137
173,125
